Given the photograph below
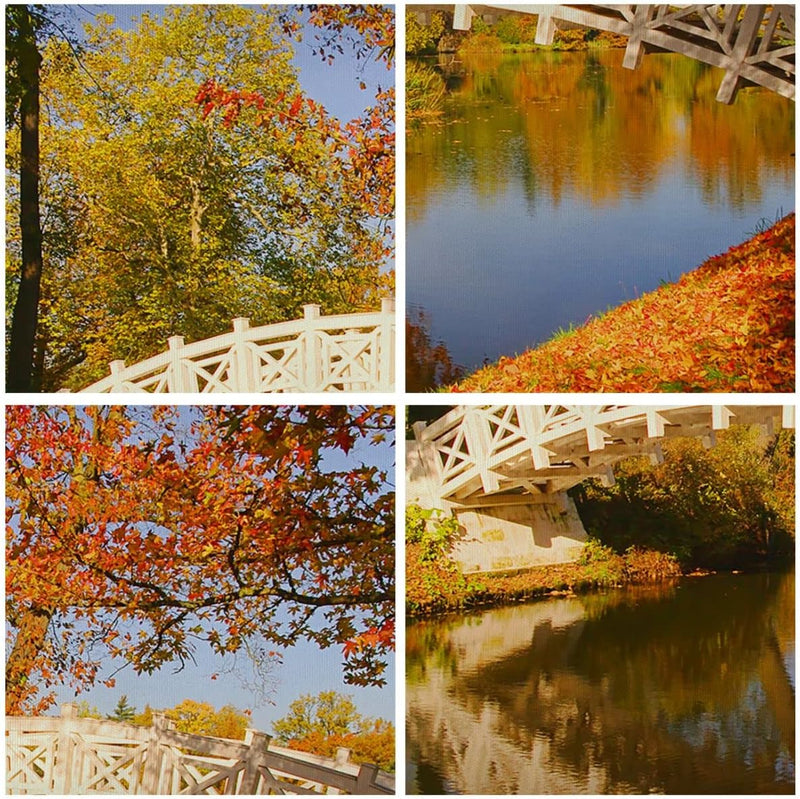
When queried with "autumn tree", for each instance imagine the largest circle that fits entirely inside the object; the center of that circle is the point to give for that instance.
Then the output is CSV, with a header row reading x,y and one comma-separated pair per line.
x,y
423,37
373,744
87,711
202,718
328,721
136,535
730,505
165,218
329,713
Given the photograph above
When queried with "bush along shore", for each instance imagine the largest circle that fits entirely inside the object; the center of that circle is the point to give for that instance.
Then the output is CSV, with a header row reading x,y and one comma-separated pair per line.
x,y
727,326
434,587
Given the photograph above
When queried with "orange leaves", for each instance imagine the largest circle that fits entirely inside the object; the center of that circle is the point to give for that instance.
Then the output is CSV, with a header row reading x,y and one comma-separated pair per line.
x,y
296,105
727,326
200,536
382,636
326,166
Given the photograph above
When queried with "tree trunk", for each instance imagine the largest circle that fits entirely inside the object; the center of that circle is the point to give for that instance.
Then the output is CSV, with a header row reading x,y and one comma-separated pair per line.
x,y
30,641
26,309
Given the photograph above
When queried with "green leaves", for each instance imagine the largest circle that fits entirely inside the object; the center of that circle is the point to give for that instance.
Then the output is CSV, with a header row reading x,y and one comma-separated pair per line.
x,y
169,212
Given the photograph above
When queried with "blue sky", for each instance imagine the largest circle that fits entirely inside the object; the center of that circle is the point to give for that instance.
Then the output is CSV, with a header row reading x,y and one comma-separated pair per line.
x,y
305,668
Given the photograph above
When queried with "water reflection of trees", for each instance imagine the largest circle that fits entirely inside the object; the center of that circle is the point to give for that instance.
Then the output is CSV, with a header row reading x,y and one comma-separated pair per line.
x,y
428,363
579,123
672,693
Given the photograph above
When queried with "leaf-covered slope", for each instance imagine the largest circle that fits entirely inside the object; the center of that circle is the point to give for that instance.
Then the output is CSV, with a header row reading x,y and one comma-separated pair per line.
x,y
726,326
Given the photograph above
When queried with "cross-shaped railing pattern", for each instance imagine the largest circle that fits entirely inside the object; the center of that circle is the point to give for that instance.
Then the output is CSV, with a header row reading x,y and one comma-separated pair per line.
x,y
70,755
481,450
348,352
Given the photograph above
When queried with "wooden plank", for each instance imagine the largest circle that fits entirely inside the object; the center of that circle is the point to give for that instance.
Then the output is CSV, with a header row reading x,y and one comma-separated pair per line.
x,y
637,36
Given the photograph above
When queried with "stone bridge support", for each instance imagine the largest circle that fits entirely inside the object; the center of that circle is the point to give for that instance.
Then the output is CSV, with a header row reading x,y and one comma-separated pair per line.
x,y
502,533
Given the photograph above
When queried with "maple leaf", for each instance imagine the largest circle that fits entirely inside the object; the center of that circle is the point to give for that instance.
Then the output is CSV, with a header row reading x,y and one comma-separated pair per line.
x,y
190,549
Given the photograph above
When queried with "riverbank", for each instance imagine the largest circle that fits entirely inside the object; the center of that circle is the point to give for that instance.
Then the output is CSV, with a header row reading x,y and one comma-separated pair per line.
x,y
437,586
727,326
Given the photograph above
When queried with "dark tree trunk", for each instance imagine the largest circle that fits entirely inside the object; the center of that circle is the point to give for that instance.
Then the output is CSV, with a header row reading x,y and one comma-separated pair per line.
x,y
25,318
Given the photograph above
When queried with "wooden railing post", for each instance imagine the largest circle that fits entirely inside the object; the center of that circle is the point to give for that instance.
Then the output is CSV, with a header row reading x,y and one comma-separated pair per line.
x,y
179,379
386,346
62,773
244,365
155,779
258,742
367,776
117,369
342,756
314,370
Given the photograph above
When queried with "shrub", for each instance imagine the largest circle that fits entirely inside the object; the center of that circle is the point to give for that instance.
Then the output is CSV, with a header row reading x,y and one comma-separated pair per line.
x,y
432,530
479,42
648,566
434,582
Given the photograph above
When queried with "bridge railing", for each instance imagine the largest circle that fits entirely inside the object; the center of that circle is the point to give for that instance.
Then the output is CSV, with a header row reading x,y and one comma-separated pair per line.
x,y
70,755
346,352
470,447
470,442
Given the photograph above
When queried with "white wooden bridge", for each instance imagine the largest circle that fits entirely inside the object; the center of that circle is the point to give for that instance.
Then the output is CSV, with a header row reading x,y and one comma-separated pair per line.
x,y
753,44
70,755
504,469
347,352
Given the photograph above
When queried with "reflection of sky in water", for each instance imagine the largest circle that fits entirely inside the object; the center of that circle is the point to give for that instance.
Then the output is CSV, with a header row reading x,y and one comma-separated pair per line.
x,y
741,733
499,265
496,279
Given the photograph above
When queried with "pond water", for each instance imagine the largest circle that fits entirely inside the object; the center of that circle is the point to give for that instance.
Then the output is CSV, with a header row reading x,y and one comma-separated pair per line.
x,y
683,688
560,184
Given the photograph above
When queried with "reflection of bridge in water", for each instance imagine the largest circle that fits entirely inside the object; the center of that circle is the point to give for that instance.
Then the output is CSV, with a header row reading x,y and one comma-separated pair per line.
x,y
504,469
625,692
754,44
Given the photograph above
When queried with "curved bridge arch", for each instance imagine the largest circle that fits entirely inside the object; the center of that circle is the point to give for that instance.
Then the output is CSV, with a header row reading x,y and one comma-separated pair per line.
x,y
476,456
752,43
348,352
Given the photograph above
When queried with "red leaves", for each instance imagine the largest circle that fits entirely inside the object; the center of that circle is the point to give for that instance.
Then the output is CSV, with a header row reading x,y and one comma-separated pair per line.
x,y
374,637
192,537
351,164
727,326
296,105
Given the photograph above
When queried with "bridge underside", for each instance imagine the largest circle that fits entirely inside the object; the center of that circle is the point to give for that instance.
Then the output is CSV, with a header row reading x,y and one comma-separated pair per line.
x,y
754,44
504,470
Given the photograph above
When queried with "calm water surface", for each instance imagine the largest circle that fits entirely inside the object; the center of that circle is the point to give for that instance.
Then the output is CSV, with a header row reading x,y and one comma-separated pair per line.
x,y
561,184
686,688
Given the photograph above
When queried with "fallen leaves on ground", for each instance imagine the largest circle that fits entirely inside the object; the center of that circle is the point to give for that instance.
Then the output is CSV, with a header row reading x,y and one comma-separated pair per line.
x,y
727,326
